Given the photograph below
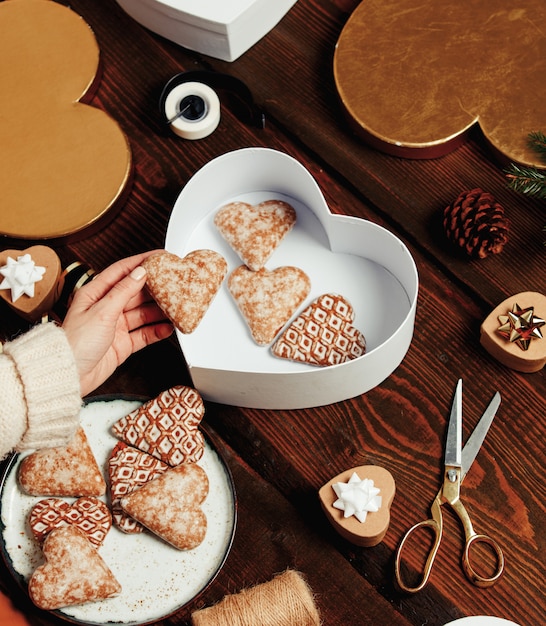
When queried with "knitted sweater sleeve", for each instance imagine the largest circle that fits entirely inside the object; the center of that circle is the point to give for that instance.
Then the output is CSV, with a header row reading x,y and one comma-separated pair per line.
x,y
39,390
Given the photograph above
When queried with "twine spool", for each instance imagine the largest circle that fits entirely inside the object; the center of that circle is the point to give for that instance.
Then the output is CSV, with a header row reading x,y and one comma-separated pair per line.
x,y
286,600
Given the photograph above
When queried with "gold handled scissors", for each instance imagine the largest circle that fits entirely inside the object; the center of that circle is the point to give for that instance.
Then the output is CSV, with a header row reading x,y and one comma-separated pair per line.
x,y
457,462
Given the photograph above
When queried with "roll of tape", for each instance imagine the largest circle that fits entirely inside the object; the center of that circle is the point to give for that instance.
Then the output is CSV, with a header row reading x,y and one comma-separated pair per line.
x,y
192,110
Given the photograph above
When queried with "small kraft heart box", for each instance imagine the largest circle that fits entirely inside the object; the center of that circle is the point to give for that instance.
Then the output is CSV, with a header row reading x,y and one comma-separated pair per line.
x,y
363,262
220,29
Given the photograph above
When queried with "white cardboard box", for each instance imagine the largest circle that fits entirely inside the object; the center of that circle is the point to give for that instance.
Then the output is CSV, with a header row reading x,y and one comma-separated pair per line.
x,y
223,29
350,256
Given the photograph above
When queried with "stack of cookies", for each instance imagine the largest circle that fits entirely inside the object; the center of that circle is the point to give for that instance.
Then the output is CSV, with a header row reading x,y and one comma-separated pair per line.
x,y
155,484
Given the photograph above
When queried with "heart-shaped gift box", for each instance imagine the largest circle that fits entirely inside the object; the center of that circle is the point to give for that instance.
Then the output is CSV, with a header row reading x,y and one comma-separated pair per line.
x,y
355,258
223,30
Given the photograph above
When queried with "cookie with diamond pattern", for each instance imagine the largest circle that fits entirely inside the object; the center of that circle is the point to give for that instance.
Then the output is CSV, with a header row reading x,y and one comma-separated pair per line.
x,y
91,515
129,469
166,427
323,334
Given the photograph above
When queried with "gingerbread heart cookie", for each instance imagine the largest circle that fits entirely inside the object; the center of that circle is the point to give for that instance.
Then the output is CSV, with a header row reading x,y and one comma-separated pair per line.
x,y
185,287
255,231
30,280
129,469
268,299
73,572
170,505
89,514
167,427
323,334
70,470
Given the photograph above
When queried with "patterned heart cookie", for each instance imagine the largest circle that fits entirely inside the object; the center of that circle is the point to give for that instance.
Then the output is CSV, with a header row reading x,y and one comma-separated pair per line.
x,y
254,232
184,288
73,572
89,514
70,470
166,427
323,334
268,299
30,280
170,505
129,469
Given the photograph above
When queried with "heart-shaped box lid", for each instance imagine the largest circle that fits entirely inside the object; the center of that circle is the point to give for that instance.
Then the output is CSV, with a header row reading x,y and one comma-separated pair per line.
x,y
360,260
224,30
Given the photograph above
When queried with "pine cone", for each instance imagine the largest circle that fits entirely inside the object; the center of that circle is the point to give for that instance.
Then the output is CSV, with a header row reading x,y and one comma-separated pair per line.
x,y
475,222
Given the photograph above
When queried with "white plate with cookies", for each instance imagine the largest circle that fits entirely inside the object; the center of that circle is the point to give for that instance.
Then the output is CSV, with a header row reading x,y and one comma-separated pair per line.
x,y
156,578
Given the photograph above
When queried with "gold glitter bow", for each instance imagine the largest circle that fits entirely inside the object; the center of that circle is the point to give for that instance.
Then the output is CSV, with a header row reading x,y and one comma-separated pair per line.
x,y
520,326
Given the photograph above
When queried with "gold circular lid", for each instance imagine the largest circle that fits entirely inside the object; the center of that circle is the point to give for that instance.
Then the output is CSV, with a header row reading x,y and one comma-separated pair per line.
x,y
415,78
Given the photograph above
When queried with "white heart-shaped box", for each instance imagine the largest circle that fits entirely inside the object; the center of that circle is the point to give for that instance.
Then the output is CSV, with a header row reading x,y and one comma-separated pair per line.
x,y
224,30
350,256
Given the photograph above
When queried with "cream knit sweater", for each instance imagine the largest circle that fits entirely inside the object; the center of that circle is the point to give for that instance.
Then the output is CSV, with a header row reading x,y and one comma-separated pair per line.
x,y
39,391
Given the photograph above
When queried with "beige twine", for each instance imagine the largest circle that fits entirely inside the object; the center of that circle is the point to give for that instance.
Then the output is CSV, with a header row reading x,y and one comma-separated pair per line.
x,y
286,600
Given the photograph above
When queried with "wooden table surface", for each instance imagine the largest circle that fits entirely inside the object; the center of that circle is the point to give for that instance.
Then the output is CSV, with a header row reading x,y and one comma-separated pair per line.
x,y
280,459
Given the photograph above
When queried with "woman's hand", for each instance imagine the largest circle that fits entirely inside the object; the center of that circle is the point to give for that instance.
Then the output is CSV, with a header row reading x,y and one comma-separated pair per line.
x,y
110,318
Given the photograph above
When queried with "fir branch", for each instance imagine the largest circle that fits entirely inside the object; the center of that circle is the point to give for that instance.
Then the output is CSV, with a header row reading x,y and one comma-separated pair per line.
x,y
537,141
527,180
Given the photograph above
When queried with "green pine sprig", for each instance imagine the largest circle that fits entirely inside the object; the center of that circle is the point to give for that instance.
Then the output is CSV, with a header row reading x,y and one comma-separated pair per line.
x,y
527,180
537,141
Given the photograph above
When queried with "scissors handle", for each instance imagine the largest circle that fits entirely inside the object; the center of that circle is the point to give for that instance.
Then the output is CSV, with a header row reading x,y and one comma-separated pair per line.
x,y
435,524
473,539
470,572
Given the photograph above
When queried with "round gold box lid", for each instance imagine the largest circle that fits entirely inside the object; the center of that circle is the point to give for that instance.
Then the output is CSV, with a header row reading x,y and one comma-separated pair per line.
x,y
414,78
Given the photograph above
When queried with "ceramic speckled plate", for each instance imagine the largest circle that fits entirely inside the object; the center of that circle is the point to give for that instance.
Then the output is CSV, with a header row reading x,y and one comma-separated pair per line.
x,y
157,579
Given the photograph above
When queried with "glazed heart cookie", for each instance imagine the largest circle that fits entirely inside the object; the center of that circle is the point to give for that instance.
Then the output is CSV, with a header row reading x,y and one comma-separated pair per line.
x,y
170,505
30,280
89,514
268,299
166,427
70,470
323,334
129,469
254,232
185,287
73,572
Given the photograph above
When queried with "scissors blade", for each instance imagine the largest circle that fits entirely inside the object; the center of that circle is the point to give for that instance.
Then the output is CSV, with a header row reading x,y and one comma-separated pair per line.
x,y
474,442
455,428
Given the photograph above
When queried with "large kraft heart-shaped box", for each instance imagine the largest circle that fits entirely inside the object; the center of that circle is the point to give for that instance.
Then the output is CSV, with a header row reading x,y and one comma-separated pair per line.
x,y
361,261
